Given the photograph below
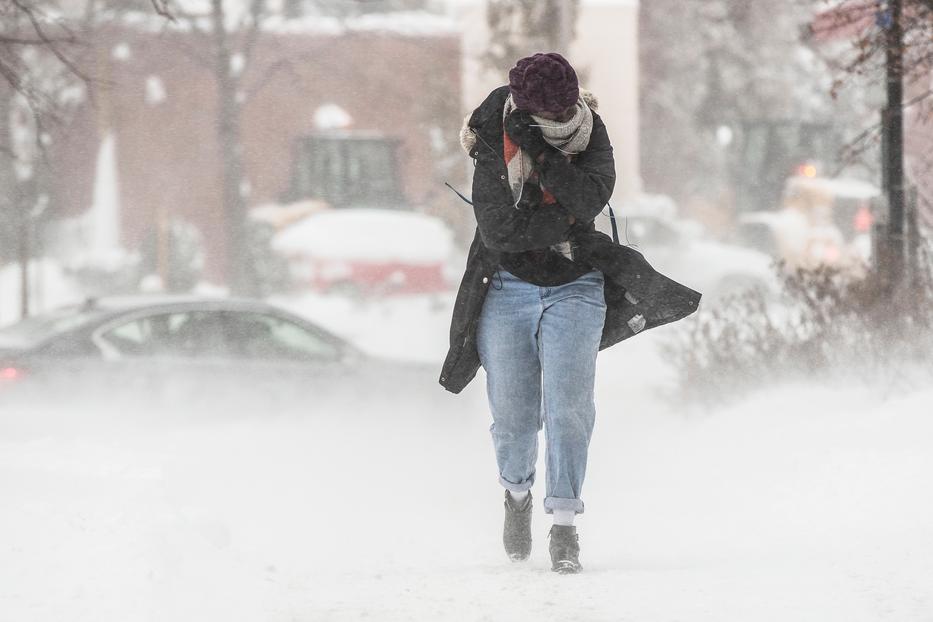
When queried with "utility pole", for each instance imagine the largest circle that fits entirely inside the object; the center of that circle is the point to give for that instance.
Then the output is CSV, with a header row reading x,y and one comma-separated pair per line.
x,y
893,142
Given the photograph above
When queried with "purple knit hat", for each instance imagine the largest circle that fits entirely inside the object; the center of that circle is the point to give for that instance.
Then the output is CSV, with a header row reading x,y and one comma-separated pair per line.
x,y
543,83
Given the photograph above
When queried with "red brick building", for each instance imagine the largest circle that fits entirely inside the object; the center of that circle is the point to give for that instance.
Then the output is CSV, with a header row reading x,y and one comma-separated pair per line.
x,y
157,95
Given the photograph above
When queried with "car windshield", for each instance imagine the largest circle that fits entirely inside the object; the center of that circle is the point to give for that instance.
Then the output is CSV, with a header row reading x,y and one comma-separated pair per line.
x,y
33,331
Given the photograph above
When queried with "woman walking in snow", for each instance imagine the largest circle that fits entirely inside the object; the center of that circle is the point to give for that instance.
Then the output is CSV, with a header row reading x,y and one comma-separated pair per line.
x,y
544,291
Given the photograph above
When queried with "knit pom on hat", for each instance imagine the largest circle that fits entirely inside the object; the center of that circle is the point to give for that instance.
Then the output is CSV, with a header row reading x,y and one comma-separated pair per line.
x,y
543,83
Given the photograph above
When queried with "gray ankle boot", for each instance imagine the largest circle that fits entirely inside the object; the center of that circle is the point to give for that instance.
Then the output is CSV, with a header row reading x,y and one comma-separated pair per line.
x,y
516,535
565,549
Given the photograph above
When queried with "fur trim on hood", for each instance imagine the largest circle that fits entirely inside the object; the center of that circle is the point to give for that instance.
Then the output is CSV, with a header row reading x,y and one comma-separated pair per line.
x,y
468,137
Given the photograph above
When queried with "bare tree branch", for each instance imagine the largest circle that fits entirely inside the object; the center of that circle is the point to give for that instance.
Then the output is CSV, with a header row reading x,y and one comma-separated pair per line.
x,y
50,42
269,73
12,40
161,8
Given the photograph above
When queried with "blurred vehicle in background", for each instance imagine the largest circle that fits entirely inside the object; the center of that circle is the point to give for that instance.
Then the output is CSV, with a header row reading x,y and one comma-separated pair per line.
x,y
764,152
821,222
679,248
191,351
368,251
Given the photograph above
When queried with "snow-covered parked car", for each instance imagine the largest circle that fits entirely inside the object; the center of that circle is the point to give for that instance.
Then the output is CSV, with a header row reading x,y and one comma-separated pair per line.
x,y
368,251
680,249
822,222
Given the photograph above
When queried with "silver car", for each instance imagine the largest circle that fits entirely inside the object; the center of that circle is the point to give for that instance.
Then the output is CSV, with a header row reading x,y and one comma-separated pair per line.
x,y
213,354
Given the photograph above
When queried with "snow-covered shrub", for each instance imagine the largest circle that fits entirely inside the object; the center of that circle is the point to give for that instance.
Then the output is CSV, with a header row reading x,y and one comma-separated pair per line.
x,y
177,255
830,326
105,273
270,269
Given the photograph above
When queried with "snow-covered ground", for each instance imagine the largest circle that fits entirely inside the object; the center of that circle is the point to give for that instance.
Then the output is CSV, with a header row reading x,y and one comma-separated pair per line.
x,y
799,504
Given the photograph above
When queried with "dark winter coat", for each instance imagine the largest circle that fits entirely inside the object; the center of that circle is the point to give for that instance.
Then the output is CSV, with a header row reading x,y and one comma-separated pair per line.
x,y
637,296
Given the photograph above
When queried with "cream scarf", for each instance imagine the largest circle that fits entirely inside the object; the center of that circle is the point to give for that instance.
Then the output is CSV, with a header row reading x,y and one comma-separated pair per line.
x,y
570,137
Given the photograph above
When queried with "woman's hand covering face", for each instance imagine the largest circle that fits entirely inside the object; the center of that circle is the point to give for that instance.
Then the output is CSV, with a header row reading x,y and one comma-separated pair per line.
x,y
522,129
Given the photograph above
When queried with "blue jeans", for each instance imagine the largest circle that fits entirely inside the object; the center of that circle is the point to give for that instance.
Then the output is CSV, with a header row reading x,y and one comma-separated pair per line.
x,y
538,346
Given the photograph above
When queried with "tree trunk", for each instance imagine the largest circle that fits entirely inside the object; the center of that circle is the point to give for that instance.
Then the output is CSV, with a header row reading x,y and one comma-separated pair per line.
x,y
23,234
12,215
238,267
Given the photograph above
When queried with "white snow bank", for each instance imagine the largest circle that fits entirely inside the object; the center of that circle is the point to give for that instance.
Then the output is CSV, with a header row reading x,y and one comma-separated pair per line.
x,y
50,287
629,4
410,23
419,323
616,3
842,187
404,23
368,235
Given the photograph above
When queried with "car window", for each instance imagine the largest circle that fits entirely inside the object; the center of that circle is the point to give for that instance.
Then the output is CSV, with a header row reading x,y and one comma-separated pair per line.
x,y
186,334
263,336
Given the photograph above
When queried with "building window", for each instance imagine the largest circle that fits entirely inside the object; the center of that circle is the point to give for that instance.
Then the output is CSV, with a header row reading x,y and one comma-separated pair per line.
x,y
347,171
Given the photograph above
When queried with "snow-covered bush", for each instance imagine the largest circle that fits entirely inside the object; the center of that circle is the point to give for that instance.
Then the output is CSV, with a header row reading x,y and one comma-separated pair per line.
x,y
105,274
270,270
832,326
177,255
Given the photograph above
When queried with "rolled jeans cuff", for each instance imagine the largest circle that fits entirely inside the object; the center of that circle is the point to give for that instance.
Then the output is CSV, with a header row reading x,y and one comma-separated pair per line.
x,y
520,487
567,505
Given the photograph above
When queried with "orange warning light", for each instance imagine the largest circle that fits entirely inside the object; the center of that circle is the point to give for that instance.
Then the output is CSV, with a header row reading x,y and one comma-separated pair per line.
x,y
808,170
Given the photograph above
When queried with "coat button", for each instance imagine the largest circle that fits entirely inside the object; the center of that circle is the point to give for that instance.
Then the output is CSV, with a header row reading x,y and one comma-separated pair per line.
x,y
485,279
502,177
